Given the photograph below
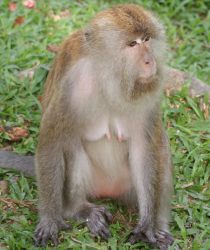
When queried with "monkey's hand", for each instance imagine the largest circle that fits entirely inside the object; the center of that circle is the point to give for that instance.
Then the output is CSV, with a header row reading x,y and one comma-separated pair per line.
x,y
161,239
96,219
48,229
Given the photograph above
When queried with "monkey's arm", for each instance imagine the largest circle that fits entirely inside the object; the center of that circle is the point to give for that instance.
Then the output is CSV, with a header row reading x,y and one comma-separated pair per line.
x,y
11,160
175,81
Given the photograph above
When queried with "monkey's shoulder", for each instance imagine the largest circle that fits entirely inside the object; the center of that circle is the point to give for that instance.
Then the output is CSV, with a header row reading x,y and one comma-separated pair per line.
x,y
73,47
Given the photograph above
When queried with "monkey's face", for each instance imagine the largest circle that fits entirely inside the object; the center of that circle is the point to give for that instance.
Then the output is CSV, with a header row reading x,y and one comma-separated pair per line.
x,y
139,53
140,72
129,43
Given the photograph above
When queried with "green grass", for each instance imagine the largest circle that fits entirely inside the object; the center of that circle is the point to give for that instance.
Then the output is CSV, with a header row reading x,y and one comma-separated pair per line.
x,y
24,46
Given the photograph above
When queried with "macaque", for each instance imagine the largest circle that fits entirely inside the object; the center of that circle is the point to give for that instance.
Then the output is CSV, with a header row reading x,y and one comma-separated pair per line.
x,y
101,133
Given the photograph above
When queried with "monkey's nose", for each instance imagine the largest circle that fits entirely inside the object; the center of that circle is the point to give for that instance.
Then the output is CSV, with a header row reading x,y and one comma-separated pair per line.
x,y
149,67
148,60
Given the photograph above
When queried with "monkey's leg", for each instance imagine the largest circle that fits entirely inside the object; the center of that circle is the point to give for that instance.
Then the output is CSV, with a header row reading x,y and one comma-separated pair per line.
x,y
50,177
77,188
153,191
163,236
144,175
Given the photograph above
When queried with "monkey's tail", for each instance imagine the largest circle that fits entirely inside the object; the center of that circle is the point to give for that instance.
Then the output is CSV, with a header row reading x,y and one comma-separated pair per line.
x,y
11,160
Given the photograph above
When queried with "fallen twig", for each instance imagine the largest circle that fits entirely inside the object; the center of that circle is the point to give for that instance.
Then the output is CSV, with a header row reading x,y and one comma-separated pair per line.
x,y
10,202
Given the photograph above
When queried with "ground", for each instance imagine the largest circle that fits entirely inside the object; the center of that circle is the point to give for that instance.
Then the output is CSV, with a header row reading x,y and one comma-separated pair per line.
x,y
26,33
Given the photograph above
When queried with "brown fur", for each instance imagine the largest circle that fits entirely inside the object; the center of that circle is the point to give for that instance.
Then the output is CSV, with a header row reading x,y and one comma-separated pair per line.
x,y
63,191
95,142
69,52
129,18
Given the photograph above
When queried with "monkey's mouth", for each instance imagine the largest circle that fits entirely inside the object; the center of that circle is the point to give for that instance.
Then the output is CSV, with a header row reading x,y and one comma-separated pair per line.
x,y
146,80
144,85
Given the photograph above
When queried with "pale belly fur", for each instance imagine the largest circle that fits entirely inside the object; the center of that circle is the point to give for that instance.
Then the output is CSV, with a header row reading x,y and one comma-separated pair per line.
x,y
106,145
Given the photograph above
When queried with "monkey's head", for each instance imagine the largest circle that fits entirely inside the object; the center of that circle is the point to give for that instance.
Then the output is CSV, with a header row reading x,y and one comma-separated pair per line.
x,y
128,42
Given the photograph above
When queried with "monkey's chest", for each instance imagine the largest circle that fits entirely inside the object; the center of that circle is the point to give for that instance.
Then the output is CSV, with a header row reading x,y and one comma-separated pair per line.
x,y
108,129
107,149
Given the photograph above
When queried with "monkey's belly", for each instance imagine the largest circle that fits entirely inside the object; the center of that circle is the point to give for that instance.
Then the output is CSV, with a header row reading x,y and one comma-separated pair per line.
x,y
110,175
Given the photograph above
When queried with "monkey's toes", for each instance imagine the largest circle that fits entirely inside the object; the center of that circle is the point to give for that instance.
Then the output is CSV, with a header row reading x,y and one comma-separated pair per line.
x,y
161,239
47,230
106,213
135,237
64,226
44,233
97,222
164,240
142,233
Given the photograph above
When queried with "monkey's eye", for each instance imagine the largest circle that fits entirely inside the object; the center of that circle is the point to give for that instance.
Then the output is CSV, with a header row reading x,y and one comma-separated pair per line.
x,y
146,39
132,44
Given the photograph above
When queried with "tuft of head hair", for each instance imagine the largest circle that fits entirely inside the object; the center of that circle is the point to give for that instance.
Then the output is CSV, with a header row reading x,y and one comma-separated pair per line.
x,y
129,18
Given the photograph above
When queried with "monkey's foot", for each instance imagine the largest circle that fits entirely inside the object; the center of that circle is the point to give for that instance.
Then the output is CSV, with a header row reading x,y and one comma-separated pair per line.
x,y
140,234
96,219
47,230
161,239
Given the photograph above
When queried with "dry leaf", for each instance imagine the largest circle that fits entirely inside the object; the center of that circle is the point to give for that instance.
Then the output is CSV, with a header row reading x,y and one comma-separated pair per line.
x,y
12,6
65,14
54,16
205,187
12,203
30,4
26,73
204,108
61,15
40,98
4,187
186,185
3,246
17,133
179,206
19,20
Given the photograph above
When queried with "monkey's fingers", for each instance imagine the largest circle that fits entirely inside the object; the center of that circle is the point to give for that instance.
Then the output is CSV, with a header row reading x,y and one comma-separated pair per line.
x,y
107,214
99,229
97,223
104,233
